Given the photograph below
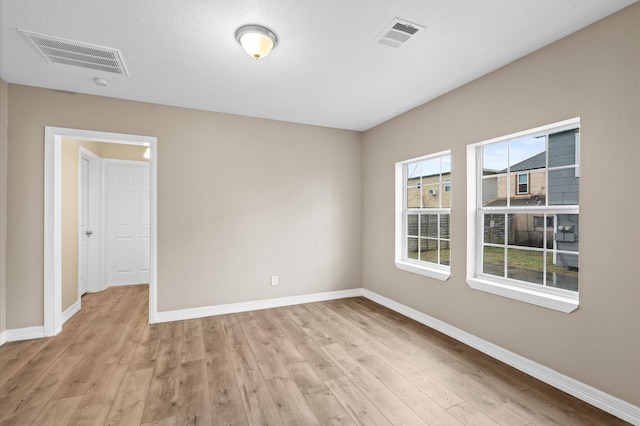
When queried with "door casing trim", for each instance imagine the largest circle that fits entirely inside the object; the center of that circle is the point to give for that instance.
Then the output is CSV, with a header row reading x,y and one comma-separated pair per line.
x,y
53,212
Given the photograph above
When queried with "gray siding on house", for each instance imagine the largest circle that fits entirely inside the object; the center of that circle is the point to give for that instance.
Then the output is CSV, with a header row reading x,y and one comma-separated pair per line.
x,y
562,148
563,187
563,183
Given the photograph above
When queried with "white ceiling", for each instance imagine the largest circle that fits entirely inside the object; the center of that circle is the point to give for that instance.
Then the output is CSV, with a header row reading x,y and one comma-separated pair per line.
x,y
326,69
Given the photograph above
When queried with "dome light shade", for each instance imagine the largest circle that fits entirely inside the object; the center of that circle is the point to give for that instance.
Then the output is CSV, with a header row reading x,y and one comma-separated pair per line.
x,y
257,41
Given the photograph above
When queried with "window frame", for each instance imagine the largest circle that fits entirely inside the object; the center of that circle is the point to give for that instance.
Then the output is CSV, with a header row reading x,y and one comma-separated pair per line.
x,y
402,262
549,297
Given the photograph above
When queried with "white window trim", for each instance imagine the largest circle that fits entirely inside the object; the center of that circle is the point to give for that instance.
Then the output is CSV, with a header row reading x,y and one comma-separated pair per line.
x,y
438,272
560,301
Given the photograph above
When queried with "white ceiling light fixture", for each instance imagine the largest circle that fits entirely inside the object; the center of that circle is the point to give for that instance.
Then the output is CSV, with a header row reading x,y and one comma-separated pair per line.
x,y
257,41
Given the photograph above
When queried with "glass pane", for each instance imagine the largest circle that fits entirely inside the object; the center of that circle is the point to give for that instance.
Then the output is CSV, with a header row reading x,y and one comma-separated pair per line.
x,y
523,232
412,248
525,265
431,169
494,158
413,174
527,153
445,226
563,187
429,225
493,261
562,148
431,196
567,232
494,191
413,198
445,193
494,228
412,225
523,178
429,250
445,256
544,223
562,271
445,164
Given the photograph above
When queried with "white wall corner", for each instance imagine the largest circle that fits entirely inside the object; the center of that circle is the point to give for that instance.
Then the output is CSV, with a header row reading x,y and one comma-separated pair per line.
x,y
3,337
589,394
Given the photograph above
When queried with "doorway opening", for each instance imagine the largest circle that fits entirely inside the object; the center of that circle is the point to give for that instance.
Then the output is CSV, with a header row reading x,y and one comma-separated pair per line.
x,y
53,255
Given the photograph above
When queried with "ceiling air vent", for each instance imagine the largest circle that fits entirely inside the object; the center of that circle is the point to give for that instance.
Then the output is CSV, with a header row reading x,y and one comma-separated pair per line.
x,y
398,32
76,53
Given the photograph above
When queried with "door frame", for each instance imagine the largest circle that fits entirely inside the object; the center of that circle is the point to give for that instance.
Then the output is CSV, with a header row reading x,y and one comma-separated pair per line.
x,y
53,216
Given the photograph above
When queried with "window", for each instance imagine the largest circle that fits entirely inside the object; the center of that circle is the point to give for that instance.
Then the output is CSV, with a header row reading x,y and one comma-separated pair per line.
x,y
538,222
517,184
423,215
523,183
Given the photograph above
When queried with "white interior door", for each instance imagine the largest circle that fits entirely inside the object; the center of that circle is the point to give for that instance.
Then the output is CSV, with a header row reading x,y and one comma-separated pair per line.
x,y
84,231
89,200
128,245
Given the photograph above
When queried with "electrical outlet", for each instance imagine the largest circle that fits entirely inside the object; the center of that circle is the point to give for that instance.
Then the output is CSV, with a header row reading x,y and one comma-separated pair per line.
x,y
274,280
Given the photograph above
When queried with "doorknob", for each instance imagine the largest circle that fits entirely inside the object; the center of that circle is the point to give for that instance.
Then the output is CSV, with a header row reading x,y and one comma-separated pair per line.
x,y
89,233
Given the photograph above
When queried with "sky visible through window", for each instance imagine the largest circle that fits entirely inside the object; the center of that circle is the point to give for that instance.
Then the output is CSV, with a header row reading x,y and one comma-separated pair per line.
x,y
497,156
429,167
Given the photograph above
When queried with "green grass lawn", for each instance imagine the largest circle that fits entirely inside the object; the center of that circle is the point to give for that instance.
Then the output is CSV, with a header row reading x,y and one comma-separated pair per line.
x,y
432,256
525,259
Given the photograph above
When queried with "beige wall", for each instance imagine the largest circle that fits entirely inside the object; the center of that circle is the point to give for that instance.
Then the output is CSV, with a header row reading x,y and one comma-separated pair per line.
x,y
593,74
70,185
239,200
3,204
117,151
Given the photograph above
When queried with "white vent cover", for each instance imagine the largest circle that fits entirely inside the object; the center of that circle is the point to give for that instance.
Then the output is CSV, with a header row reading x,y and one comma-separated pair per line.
x,y
62,51
398,32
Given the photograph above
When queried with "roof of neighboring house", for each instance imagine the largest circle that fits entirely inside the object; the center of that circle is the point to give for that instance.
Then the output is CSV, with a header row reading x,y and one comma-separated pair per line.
x,y
444,175
533,200
536,162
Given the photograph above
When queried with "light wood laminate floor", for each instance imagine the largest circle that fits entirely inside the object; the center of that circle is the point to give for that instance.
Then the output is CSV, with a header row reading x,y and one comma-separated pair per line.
x,y
341,362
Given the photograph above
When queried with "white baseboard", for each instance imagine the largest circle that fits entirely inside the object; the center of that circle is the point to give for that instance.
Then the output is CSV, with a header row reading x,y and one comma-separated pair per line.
x,y
589,394
70,311
232,308
3,337
27,333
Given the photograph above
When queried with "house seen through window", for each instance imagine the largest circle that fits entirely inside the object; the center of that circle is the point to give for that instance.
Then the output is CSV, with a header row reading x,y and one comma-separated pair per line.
x,y
424,215
527,232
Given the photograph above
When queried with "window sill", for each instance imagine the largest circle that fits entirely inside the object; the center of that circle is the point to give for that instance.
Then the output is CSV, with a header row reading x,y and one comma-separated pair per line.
x,y
564,304
431,272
